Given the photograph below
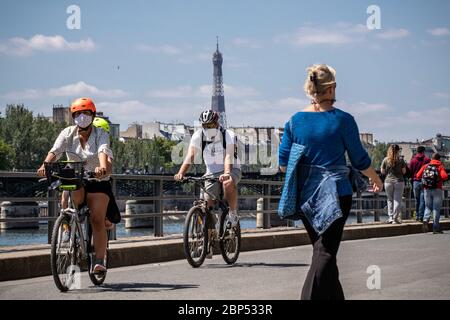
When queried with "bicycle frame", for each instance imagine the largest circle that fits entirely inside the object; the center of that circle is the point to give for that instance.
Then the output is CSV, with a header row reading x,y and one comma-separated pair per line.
x,y
76,225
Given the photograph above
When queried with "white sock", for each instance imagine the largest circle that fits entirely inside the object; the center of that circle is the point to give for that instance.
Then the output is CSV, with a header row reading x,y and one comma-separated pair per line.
x,y
233,212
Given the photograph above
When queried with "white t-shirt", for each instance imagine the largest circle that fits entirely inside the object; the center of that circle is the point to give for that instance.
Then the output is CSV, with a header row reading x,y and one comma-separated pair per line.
x,y
69,141
213,154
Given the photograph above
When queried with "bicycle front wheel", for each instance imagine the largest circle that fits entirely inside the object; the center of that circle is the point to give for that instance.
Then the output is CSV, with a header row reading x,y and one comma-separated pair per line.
x,y
229,240
195,237
64,259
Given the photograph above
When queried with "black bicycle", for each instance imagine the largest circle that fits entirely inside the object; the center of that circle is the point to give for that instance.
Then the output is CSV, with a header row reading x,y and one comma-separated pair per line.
x,y
72,247
198,242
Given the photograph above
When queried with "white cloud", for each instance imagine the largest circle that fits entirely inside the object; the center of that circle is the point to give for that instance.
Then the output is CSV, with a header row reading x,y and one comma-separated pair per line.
x,y
26,47
339,34
364,108
385,122
203,91
173,93
81,88
130,111
438,32
163,49
393,34
390,124
442,95
246,43
72,90
293,102
191,58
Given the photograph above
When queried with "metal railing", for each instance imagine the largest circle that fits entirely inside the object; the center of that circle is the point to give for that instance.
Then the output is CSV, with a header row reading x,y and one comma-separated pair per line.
x,y
143,188
160,190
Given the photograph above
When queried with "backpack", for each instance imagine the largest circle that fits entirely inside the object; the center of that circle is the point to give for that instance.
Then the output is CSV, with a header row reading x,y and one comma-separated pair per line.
x,y
224,143
431,176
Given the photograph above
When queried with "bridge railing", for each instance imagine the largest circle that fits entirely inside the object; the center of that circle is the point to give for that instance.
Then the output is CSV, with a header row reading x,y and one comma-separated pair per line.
x,y
165,194
161,191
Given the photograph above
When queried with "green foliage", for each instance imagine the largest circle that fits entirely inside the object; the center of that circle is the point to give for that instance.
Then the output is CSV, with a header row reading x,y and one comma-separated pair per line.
x,y
137,154
6,156
377,154
29,137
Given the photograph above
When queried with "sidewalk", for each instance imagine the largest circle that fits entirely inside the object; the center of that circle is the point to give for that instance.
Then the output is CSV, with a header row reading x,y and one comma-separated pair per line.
x,y
34,261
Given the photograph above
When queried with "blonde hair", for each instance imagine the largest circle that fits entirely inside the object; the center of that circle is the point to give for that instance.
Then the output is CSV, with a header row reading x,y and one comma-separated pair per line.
x,y
320,78
392,154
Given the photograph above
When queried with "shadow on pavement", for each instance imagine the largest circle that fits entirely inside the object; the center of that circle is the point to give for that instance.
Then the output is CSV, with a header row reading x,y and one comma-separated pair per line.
x,y
258,264
136,287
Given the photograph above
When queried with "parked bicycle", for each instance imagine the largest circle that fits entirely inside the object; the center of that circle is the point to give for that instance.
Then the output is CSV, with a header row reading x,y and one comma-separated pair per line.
x,y
198,242
72,248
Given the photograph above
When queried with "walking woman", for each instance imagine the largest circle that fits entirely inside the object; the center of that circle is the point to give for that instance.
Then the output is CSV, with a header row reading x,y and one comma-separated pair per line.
x,y
314,145
394,169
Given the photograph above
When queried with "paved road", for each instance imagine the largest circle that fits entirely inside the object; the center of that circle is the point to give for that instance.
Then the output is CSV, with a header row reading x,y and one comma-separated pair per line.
x,y
412,267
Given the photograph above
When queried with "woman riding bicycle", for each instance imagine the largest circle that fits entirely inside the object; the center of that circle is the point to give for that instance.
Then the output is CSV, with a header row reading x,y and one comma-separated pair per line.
x,y
91,145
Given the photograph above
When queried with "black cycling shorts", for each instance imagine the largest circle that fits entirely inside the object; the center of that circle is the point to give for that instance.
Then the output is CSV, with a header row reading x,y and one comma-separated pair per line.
x,y
112,213
98,187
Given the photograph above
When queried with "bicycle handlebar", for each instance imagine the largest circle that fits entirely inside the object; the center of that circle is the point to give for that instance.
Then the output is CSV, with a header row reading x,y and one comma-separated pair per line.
x,y
200,179
88,176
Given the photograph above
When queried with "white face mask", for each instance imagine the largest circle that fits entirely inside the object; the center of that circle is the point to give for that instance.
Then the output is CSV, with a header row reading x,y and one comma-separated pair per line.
x,y
210,134
83,121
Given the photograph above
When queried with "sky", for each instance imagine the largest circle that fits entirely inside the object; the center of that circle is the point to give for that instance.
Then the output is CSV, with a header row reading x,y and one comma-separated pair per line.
x,y
143,61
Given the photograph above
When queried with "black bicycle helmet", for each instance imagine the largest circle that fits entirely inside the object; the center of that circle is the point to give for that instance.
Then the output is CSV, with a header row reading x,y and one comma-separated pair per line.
x,y
209,116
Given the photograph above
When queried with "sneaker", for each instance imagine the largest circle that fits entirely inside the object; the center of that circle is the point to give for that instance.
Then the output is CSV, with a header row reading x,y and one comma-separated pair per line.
x,y
438,232
99,266
389,221
397,221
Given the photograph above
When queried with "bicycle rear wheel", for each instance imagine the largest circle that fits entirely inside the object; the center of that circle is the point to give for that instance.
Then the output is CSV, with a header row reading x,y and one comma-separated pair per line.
x,y
96,278
229,240
195,237
64,258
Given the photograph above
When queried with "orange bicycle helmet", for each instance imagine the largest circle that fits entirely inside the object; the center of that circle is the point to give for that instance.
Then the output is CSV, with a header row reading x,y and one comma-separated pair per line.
x,y
83,104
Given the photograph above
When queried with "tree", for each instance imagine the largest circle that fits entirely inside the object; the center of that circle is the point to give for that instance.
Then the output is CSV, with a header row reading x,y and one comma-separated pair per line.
x,y
30,138
377,154
16,131
6,156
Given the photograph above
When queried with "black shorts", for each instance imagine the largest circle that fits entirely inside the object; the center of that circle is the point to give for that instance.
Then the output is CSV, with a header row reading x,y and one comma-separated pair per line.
x,y
112,213
98,187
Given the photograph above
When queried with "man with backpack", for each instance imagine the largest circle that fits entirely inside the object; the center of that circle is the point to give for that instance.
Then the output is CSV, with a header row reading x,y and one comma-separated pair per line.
x,y
217,148
416,163
433,176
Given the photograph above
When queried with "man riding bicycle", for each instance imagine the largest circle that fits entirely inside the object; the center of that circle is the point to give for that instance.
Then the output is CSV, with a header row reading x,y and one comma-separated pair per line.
x,y
219,153
91,145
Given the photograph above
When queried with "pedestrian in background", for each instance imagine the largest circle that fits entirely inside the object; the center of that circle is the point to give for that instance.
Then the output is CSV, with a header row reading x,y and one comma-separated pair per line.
x,y
433,176
416,163
394,168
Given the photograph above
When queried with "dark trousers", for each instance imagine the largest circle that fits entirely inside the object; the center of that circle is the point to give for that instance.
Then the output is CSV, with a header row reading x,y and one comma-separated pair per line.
x,y
322,281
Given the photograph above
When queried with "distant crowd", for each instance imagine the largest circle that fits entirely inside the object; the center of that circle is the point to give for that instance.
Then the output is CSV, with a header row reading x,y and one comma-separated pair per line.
x,y
427,179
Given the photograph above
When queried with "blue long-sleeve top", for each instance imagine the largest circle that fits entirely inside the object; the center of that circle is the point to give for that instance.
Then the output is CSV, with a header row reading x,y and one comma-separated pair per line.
x,y
327,136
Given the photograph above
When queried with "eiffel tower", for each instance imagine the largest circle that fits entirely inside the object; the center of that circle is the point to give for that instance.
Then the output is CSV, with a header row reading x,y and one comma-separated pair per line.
x,y
218,98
